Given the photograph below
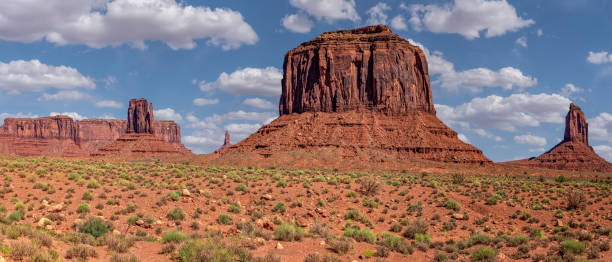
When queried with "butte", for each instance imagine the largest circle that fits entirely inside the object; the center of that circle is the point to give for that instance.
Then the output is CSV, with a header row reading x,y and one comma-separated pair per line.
x,y
573,153
361,94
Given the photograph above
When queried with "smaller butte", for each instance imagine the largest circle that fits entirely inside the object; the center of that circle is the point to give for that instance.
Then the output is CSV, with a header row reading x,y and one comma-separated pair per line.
x,y
573,153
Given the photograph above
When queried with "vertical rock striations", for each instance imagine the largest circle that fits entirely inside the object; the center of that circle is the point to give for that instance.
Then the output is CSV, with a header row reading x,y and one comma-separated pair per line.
x,y
361,94
140,116
573,153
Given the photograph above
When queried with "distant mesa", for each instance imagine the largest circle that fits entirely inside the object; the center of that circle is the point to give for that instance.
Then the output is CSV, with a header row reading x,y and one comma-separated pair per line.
x,y
573,153
226,144
363,94
140,139
61,136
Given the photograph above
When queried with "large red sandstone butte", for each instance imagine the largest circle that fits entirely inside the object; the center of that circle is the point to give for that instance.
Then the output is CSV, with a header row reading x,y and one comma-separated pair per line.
x,y
140,139
573,153
363,93
62,136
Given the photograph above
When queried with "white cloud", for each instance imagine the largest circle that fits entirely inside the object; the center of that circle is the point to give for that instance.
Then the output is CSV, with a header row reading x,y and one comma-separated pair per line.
x,y
239,131
600,127
530,139
468,18
569,89
398,23
540,32
298,23
487,134
599,57
250,116
259,103
463,138
475,79
248,81
109,104
101,23
329,10
538,150
167,114
377,14
604,151
19,75
73,115
522,41
107,116
17,115
507,113
205,101
64,95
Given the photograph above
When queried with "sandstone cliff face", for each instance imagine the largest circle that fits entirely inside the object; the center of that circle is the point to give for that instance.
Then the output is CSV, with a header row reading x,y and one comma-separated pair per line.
x,y
140,116
360,94
576,127
363,69
573,153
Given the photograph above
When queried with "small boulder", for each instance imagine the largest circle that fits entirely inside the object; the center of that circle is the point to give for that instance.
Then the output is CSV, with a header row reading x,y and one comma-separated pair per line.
x,y
267,197
279,246
44,222
57,208
185,192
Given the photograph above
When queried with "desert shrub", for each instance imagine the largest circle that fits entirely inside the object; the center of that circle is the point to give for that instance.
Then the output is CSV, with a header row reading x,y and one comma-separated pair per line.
x,y
417,226
478,239
395,243
517,240
457,178
575,199
561,179
364,235
452,205
484,254
197,250
80,252
319,229
241,187
279,207
369,186
124,258
174,237
224,219
233,208
174,195
396,228
42,238
22,249
95,227
83,208
288,232
573,247
118,243
87,196
352,214
176,214
341,246
93,184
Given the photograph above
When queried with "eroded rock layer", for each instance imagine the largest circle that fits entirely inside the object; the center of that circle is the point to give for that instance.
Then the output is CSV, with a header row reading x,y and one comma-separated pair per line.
x,y
574,152
226,144
62,136
362,69
363,94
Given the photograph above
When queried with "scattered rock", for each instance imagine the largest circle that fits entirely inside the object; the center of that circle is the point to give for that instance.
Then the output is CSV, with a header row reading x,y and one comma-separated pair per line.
x,y
267,197
279,246
559,223
186,192
57,208
44,222
116,232
139,222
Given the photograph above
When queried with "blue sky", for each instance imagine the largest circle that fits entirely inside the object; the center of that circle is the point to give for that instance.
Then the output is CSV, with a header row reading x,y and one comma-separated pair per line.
x,y
503,72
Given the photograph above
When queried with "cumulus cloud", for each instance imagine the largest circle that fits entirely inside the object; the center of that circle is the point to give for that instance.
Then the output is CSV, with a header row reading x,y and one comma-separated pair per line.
x,y
487,134
569,89
248,81
377,14
205,101
18,76
599,57
73,115
475,79
64,95
398,23
241,130
252,116
16,115
109,104
604,151
540,32
530,139
329,10
522,41
463,138
600,127
468,18
101,23
259,103
298,23
507,113
167,114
